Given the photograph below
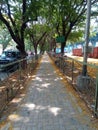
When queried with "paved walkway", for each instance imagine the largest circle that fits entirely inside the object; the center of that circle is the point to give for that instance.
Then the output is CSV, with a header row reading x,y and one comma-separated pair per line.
x,y
48,105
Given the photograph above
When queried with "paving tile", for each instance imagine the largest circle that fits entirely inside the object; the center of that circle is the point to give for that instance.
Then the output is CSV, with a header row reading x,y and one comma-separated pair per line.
x,y
48,104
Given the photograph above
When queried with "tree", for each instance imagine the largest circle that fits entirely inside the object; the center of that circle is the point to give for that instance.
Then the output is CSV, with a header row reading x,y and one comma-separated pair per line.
x,y
37,34
75,36
63,16
15,15
66,15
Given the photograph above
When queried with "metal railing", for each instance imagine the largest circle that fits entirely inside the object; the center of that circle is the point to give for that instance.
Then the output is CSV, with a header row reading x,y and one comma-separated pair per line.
x,y
87,87
16,79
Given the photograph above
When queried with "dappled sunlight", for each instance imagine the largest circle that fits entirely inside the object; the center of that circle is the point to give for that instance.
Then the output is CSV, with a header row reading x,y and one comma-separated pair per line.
x,y
42,87
49,74
15,117
17,100
29,76
32,110
69,78
54,110
39,79
46,61
18,118
55,72
14,80
56,79
61,78
45,85
30,106
39,89
39,108
33,76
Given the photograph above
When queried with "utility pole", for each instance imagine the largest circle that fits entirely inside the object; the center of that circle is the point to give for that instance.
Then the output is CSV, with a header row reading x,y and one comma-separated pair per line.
x,y
85,51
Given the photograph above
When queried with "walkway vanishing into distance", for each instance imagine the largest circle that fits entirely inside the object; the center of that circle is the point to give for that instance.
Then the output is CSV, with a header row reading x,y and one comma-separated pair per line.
x,y
51,104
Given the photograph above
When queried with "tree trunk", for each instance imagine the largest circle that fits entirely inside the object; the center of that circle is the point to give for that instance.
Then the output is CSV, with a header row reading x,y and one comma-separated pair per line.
x,y
62,47
21,48
35,49
63,44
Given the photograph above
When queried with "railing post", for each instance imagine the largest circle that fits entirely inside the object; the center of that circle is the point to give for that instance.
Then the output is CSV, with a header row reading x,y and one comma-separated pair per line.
x,y
7,94
63,65
20,70
72,69
96,97
61,62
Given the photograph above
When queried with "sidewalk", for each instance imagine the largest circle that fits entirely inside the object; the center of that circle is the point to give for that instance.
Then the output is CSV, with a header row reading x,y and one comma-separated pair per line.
x,y
49,105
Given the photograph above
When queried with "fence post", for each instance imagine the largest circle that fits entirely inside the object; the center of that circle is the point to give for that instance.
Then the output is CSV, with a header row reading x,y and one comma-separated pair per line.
x,y
72,69
96,96
20,70
63,65
59,62
7,94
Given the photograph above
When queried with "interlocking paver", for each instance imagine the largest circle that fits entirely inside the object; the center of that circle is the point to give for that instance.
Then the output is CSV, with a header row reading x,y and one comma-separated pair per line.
x,y
48,104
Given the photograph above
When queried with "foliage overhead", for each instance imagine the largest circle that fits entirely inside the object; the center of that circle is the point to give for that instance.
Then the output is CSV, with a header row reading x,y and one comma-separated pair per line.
x,y
64,16
61,17
15,15
5,37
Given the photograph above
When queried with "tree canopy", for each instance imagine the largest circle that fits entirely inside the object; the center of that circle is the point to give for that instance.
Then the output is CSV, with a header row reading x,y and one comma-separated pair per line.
x,y
61,17
15,15
5,37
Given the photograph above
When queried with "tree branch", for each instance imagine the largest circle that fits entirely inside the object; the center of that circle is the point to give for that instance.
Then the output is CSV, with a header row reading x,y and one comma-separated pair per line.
x,y
9,27
9,14
41,37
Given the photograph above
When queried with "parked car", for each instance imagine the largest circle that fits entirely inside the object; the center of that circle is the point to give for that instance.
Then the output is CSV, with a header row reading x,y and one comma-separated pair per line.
x,y
9,56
